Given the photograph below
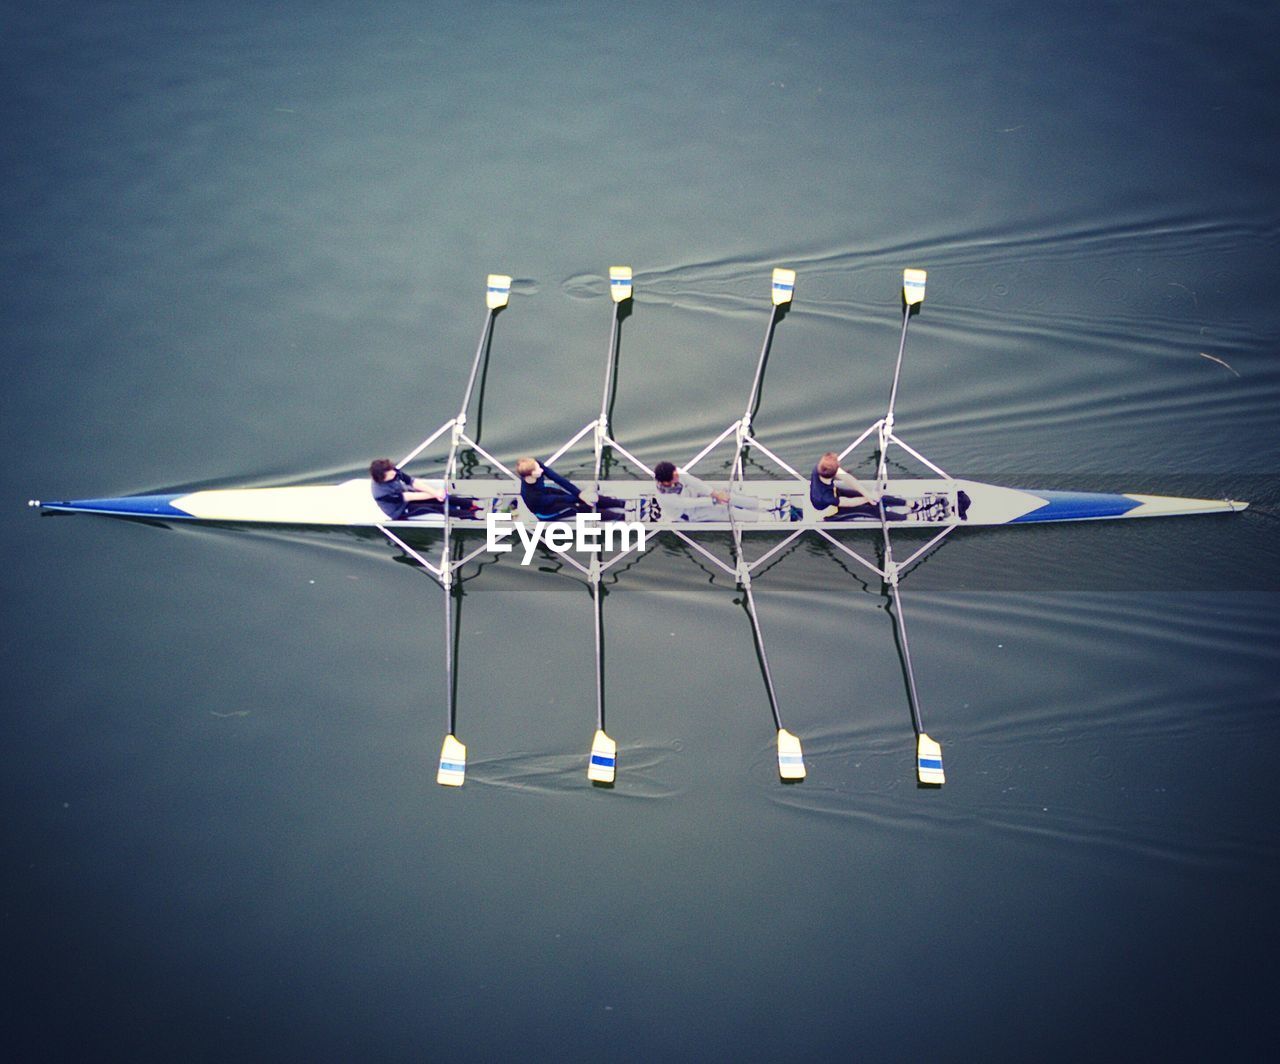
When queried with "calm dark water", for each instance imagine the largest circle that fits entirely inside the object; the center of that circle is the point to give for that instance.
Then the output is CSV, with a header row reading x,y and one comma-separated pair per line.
x,y
246,243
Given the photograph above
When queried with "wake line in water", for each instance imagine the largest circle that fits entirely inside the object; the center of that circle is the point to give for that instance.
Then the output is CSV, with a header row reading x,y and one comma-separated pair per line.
x,y
871,791
734,283
1124,279
645,777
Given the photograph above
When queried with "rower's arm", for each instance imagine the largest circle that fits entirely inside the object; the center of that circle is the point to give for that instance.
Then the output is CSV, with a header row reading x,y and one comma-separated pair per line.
x,y
564,482
845,479
422,492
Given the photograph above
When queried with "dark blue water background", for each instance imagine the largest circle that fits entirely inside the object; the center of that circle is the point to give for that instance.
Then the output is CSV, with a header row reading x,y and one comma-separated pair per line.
x,y
246,243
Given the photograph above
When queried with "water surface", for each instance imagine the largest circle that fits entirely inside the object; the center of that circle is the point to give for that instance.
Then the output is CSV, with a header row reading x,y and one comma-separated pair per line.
x,y
247,244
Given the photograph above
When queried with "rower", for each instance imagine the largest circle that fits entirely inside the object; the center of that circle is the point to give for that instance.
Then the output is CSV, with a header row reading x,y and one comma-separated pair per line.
x,y
693,499
561,499
840,496
401,496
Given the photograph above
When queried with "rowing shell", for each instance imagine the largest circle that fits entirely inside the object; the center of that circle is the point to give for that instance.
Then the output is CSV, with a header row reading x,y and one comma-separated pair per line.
x,y
935,506
785,506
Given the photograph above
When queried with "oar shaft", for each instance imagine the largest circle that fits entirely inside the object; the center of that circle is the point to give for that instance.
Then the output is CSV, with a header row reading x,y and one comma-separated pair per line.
x,y
893,392
475,364
754,398
602,424
912,696
450,688
764,658
598,610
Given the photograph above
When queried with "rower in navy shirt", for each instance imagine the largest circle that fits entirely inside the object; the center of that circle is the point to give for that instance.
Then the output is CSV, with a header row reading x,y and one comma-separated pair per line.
x,y
560,499
838,491
400,496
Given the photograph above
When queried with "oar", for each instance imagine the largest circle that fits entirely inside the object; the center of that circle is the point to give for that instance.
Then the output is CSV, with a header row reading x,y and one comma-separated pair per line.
x,y
604,751
790,756
913,283
620,289
784,286
603,764
453,754
928,752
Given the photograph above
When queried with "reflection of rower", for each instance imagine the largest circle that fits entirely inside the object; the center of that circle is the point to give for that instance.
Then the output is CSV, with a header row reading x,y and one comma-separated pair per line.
x,y
399,495
841,496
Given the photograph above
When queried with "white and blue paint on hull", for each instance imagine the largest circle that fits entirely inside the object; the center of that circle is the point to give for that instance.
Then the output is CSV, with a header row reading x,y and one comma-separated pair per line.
x,y
350,505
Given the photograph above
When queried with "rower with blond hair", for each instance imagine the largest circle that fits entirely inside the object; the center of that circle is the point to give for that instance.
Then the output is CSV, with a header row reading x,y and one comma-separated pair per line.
x,y
551,497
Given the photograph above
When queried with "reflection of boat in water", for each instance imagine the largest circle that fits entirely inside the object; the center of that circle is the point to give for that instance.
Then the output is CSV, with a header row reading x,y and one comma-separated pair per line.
x,y
935,504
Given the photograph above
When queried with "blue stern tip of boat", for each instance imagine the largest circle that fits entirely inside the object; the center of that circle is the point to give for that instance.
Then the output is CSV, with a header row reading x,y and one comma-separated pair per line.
x,y
126,506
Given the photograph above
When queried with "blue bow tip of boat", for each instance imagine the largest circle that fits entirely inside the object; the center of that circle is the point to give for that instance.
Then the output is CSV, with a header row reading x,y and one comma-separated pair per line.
x,y
127,506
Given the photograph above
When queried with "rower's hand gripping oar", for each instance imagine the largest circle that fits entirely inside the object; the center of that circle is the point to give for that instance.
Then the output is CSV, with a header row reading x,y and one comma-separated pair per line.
x,y
452,771
603,762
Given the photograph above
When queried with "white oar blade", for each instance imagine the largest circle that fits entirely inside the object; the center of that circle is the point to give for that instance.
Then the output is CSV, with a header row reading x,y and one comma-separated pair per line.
x,y
453,763
604,759
790,756
929,761
913,286
784,286
620,283
497,291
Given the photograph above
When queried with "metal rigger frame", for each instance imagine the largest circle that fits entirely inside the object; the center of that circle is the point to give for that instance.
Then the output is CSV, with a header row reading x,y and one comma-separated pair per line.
x,y
603,758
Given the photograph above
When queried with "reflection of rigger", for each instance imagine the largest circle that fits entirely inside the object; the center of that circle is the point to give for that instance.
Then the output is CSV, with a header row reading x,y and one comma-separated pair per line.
x,y
840,495
562,498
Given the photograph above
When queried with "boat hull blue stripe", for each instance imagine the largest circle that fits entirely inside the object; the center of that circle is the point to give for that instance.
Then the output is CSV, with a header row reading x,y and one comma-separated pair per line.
x,y
127,506
1077,506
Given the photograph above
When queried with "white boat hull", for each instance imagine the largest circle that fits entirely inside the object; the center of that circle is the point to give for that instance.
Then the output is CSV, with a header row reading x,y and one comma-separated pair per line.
x,y
938,502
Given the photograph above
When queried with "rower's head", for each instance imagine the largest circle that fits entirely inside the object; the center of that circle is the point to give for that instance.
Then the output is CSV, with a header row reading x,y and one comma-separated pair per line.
x,y
829,464
665,474
528,467
382,469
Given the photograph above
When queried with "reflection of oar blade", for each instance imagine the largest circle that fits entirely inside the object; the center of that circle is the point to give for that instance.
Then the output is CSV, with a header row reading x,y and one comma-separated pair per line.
x,y
604,759
790,756
929,761
453,763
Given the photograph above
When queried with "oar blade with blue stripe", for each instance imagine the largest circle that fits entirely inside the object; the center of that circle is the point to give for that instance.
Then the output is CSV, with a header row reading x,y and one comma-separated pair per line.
x,y
604,759
497,290
619,283
790,756
913,286
929,762
453,763
784,285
